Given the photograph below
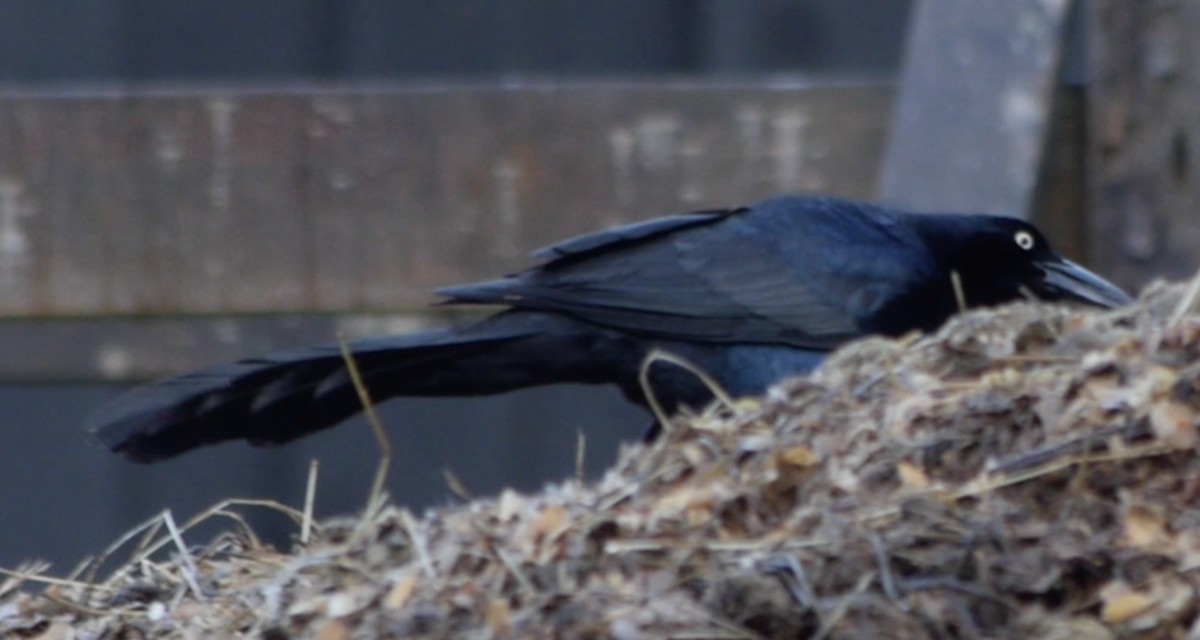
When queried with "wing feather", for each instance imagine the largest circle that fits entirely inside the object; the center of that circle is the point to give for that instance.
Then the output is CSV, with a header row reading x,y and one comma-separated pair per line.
x,y
798,271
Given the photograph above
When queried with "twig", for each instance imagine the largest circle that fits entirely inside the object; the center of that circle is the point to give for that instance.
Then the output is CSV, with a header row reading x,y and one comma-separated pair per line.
x,y
248,532
26,576
146,526
151,548
518,575
1187,303
993,480
885,571
732,630
580,452
189,565
456,485
843,606
310,500
785,566
1075,446
627,546
950,584
418,542
983,486
960,296
735,546
96,613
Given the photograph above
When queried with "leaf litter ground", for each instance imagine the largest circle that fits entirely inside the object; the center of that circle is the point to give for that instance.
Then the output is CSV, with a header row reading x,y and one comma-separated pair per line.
x,y
1030,471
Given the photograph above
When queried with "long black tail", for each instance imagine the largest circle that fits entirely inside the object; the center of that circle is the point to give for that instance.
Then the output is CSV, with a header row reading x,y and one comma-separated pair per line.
x,y
285,395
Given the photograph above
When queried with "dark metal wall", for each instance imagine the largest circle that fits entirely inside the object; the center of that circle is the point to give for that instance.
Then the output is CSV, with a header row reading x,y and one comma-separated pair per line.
x,y
272,40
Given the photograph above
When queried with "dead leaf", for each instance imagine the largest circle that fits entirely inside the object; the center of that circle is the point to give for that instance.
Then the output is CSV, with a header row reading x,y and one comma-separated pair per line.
x,y
401,592
1174,423
799,457
1144,527
333,630
1123,607
499,618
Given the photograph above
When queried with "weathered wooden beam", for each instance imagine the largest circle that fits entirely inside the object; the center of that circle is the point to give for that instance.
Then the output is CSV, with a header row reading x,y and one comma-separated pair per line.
x,y
1143,175
220,202
974,105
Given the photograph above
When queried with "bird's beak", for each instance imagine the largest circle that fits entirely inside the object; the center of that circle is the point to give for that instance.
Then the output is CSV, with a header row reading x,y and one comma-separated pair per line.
x,y
1071,281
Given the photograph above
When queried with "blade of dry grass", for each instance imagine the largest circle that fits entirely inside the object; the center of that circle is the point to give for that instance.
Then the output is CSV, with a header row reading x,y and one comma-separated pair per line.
x,y
189,570
310,499
385,443
658,355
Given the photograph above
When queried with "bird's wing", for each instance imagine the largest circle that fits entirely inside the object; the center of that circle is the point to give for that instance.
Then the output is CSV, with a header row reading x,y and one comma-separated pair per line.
x,y
807,276
592,243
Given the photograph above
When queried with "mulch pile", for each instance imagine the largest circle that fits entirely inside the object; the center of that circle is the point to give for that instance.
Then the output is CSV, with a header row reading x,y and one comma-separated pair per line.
x,y
1030,471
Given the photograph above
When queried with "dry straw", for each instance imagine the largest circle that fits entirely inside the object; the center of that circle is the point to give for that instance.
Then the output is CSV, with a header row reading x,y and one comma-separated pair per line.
x,y
1030,471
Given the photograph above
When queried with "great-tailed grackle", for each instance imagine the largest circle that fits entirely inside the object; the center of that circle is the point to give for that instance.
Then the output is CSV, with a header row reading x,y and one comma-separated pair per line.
x,y
750,295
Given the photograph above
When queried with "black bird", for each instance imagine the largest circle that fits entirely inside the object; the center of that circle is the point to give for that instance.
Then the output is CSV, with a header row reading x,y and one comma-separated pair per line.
x,y
751,295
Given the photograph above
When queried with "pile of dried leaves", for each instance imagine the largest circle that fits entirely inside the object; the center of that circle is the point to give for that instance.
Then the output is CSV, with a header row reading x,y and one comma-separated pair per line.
x,y
1027,472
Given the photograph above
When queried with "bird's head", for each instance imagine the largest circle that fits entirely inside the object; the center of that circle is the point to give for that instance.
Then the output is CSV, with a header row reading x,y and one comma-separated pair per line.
x,y
998,259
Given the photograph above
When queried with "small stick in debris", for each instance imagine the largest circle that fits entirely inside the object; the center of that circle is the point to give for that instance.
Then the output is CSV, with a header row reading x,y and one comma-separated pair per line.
x,y
1187,302
53,597
1087,444
310,499
144,552
950,584
791,573
580,451
456,485
185,556
37,576
885,572
731,629
977,487
418,542
247,531
513,569
843,606
149,527
960,296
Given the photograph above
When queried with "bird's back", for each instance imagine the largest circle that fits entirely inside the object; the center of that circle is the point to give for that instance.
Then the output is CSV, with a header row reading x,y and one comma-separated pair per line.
x,y
800,271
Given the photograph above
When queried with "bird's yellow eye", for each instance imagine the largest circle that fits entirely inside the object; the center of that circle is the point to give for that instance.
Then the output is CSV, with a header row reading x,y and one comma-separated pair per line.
x,y
1024,240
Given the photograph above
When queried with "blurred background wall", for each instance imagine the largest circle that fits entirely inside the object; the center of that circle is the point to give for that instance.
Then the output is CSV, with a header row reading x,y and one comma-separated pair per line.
x,y
272,41
184,183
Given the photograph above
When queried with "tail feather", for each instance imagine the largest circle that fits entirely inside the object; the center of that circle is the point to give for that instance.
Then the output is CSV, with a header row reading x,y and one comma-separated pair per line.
x,y
286,395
